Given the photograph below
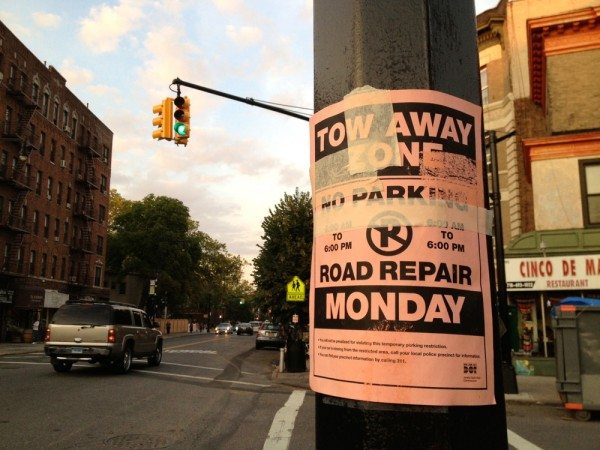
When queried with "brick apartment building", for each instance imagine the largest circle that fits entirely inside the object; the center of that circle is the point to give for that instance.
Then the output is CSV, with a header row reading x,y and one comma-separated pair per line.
x,y
539,63
55,157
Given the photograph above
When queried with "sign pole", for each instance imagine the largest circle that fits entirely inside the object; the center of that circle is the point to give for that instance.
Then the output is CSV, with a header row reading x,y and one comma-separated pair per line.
x,y
387,48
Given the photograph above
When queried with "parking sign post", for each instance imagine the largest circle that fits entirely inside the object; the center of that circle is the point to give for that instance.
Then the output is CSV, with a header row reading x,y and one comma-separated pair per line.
x,y
403,322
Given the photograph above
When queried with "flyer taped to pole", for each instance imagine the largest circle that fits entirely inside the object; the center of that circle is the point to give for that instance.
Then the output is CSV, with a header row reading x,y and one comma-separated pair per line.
x,y
400,289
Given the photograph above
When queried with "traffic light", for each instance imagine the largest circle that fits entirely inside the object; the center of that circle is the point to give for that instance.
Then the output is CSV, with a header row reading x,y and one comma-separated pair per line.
x,y
182,120
164,120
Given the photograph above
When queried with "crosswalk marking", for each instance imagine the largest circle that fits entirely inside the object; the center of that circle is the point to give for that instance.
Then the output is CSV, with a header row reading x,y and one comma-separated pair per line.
x,y
208,352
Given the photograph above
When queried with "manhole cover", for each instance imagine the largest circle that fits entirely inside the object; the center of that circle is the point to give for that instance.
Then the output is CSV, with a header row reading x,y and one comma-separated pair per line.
x,y
138,441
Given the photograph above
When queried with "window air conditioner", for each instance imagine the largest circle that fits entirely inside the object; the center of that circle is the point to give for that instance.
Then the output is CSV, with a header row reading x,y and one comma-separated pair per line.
x,y
63,163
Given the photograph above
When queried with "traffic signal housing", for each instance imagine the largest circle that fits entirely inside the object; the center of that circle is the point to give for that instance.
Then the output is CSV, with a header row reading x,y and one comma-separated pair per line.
x,y
163,120
181,127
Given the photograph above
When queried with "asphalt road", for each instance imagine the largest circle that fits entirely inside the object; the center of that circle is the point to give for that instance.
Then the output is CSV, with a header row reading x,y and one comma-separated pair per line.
x,y
209,392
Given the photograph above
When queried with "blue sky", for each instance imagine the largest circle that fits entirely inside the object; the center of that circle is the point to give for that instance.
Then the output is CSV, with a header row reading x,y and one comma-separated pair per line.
x,y
120,57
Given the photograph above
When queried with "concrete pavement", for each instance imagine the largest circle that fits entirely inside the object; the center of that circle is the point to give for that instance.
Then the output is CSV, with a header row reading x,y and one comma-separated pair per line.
x,y
532,389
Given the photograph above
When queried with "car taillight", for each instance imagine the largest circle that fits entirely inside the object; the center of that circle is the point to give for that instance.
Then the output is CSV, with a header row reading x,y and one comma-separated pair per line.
x,y
47,337
112,338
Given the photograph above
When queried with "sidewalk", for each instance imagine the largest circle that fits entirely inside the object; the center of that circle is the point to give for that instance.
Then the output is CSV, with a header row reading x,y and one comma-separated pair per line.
x,y
532,389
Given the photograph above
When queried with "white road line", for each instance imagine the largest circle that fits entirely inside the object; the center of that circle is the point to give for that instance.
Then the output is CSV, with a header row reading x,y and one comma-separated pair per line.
x,y
194,377
282,427
520,443
200,367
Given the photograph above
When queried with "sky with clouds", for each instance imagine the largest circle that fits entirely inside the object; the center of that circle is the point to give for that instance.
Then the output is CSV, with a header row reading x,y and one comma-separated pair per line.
x,y
120,56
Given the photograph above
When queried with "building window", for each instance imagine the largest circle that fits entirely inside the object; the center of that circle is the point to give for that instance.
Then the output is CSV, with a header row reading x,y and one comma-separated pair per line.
x,y
69,190
1,207
103,183
11,74
44,264
36,222
100,245
3,162
32,263
52,150
46,225
63,268
57,229
49,189
55,113
7,119
73,127
53,267
65,118
71,160
105,154
59,193
35,92
101,213
42,145
98,276
484,86
589,170
38,183
45,103
66,234
122,288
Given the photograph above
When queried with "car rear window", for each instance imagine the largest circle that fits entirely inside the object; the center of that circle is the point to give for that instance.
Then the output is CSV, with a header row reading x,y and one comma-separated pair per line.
x,y
83,315
272,327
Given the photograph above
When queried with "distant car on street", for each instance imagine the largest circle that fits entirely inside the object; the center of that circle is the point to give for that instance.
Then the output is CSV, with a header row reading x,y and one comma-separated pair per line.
x,y
270,335
244,328
255,325
224,328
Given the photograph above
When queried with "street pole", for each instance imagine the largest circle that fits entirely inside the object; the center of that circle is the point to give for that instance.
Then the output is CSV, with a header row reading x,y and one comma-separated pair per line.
x,y
508,370
392,45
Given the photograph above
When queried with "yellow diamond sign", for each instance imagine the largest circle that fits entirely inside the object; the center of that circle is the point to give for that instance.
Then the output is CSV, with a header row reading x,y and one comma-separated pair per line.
x,y
295,290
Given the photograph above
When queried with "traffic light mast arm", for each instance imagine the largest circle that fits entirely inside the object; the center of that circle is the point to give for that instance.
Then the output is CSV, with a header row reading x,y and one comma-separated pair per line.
x,y
249,101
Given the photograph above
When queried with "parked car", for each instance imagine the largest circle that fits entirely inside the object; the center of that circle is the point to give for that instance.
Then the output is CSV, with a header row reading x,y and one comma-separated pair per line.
x,y
270,335
224,328
244,328
108,333
255,325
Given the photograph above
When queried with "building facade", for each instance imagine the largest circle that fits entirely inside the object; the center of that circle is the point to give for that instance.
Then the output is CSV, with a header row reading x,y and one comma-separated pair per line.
x,y
539,62
55,157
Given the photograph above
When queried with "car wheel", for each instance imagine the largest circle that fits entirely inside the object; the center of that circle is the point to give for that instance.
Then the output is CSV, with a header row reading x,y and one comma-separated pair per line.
x,y
156,357
258,346
62,366
124,364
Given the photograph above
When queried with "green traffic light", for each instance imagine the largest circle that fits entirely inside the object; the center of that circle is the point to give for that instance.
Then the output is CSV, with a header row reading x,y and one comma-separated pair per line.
x,y
180,128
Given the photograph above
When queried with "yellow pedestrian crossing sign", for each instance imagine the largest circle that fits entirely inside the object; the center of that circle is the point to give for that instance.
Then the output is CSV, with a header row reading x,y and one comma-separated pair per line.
x,y
295,290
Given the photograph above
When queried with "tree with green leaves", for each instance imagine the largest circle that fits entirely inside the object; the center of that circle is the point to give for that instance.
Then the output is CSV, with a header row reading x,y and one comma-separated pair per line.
x,y
218,287
155,238
285,252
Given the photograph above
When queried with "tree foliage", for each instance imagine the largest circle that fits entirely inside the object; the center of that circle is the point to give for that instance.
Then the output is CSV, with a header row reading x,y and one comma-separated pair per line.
x,y
218,287
284,253
153,238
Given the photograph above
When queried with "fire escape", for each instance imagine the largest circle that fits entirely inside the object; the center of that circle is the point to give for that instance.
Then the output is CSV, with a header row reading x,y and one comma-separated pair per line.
x,y
84,215
15,174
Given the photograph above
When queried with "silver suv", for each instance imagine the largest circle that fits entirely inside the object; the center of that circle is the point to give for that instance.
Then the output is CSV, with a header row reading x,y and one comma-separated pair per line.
x,y
109,333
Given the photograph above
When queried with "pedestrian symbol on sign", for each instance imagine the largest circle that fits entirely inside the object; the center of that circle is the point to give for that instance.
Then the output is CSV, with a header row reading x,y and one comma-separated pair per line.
x,y
295,290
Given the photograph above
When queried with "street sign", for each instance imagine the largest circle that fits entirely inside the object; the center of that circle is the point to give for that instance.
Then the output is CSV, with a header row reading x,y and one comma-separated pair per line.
x,y
295,290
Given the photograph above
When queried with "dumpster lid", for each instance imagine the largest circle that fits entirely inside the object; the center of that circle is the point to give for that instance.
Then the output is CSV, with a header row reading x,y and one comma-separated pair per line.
x,y
576,301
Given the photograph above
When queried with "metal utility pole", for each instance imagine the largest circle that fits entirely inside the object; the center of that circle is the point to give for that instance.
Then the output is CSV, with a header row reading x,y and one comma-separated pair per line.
x,y
508,371
394,47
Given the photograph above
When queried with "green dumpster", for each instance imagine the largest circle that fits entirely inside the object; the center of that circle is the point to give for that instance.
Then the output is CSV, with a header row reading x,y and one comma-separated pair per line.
x,y
576,323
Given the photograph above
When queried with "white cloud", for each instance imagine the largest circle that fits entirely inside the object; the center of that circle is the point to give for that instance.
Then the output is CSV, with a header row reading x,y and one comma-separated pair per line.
x,y
244,36
46,20
12,22
75,75
105,25
102,90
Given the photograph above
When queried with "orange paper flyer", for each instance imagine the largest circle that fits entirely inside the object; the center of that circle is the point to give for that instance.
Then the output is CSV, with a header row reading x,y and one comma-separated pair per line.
x,y
400,298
